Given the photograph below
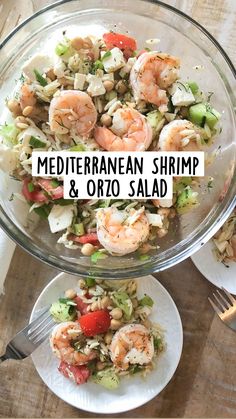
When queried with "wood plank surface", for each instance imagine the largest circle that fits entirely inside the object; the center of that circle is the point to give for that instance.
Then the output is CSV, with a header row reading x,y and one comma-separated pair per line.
x,y
204,383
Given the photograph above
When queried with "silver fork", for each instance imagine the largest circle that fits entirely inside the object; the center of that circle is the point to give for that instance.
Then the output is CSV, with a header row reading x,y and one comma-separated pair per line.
x,y
29,338
225,307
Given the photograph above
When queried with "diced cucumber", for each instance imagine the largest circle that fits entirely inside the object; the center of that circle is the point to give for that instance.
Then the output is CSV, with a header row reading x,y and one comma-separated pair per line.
x,y
197,114
122,300
107,378
9,133
186,200
212,117
202,113
62,312
193,87
156,120
78,147
78,229
181,184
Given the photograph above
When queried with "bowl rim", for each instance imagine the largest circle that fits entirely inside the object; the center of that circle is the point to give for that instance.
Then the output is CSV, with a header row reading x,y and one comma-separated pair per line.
x,y
143,268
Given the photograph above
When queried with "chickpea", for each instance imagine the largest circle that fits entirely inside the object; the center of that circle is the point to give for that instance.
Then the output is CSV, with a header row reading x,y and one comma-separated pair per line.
x,y
87,249
51,74
77,43
115,324
135,302
108,338
14,107
162,232
21,119
82,284
70,293
100,365
27,110
108,84
121,87
105,302
116,313
106,120
21,125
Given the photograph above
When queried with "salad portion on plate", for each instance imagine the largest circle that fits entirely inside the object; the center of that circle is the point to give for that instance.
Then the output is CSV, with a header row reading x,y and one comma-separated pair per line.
x,y
105,94
104,333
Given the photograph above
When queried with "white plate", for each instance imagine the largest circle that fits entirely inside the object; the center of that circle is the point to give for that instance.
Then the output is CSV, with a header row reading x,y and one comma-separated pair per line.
x,y
214,271
134,391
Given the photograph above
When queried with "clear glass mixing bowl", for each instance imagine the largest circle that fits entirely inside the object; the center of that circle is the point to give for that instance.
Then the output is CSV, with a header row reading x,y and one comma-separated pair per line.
x,y
179,35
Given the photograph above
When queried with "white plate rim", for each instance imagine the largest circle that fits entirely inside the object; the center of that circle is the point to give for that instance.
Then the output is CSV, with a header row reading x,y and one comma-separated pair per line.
x,y
168,378
209,274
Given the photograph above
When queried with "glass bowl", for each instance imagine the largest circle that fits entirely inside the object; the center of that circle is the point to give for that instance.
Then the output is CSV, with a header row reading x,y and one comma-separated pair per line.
x,y
203,60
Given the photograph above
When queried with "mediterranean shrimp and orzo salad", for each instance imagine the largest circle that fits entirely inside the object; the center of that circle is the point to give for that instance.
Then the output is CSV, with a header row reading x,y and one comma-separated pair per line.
x,y
105,94
105,333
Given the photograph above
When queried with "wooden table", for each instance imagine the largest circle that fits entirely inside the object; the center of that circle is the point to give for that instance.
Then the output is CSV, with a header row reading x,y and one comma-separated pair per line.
x,y
204,383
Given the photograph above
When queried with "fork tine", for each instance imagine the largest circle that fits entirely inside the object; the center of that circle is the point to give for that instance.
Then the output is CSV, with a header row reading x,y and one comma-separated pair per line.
x,y
41,328
37,321
224,299
223,308
230,297
46,333
215,307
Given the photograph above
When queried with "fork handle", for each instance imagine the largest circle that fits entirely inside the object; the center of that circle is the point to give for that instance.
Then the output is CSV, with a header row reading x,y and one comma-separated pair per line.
x,y
3,358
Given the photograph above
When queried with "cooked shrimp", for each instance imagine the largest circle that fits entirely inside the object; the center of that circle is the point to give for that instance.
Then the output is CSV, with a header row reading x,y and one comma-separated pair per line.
x,y
72,109
179,135
130,131
132,344
27,97
151,75
62,339
120,232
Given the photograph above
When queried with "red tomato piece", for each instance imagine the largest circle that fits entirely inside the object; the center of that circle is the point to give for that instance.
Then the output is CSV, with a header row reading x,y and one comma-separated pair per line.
x,y
86,238
81,305
36,196
79,373
127,44
55,193
95,322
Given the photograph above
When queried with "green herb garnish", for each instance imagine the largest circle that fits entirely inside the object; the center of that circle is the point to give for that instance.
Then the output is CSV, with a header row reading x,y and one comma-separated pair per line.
x,y
43,211
36,142
62,47
106,55
55,183
67,301
42,81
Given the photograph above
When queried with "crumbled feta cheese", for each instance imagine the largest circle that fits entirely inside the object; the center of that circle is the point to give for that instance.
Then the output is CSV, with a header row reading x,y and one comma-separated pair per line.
x,y
155,220
59,68
40,62
25,135
114,61
79,81
8,158
60,217
181,95
95,87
